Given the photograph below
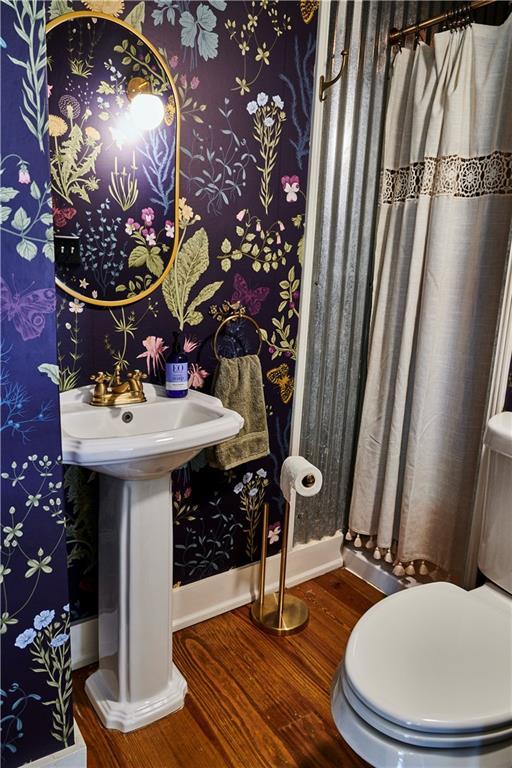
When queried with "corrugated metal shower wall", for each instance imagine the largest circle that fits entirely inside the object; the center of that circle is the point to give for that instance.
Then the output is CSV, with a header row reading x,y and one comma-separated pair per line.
x,y
347,189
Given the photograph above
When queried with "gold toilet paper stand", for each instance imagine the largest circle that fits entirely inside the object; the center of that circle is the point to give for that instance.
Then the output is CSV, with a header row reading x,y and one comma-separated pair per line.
x,y
279,613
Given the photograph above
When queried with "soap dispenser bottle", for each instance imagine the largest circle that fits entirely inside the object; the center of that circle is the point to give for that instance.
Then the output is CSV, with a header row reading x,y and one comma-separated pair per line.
x,y
176,370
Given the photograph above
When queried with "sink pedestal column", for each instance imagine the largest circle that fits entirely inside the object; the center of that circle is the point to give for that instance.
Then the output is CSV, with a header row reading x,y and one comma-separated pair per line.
x,y
136,682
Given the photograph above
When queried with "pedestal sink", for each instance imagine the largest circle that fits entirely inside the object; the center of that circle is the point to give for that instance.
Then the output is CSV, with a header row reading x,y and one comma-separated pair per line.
x,y
134,448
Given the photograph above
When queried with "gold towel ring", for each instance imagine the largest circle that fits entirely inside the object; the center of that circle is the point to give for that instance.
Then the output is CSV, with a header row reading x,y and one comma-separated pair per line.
x,y
237,316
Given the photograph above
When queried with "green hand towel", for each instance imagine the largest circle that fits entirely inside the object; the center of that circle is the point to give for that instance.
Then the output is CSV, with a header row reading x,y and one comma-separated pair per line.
x,y
238,383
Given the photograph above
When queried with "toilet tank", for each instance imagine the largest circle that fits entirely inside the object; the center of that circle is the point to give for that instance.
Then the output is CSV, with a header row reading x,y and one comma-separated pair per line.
x,y
495,551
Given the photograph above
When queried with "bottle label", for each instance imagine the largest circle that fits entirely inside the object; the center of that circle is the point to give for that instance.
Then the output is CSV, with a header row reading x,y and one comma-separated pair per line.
x,y
176,376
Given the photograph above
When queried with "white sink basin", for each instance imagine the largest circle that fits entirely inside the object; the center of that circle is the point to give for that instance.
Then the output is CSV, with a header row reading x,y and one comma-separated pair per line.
x,y
145,440
134,448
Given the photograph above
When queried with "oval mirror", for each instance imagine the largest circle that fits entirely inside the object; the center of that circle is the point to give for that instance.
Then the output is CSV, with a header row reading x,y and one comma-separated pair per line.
x,y
114,152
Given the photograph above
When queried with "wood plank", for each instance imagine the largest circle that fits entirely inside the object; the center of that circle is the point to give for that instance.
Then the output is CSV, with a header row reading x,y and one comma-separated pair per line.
x,y
254,701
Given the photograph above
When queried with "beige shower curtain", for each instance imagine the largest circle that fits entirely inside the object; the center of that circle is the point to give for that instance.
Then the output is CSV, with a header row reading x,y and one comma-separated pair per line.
x,y
444,220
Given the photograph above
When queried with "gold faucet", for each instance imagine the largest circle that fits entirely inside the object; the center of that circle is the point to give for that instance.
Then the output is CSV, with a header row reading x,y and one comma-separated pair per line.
x,y
111,390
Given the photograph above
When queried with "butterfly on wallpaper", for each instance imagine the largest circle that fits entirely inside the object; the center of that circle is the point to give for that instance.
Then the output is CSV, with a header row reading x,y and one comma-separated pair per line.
x,y
308,9
251,298
26,310
61,216
281,377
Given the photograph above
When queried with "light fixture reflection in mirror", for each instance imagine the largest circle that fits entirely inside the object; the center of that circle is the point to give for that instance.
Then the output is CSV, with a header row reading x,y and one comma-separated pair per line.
x,y
146,109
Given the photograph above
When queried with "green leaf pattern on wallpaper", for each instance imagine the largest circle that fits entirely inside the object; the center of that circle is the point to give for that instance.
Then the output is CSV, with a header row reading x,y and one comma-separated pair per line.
x,y
34,478
20,220
137,15
192,261
48,645
59,7
29,28
73,161
197,29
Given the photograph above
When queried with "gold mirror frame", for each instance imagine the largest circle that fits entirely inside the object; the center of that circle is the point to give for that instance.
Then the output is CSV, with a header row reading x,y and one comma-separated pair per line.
x,y
122,302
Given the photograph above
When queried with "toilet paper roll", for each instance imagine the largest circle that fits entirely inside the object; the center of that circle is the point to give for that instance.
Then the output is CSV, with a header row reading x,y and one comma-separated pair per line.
x,y
300,475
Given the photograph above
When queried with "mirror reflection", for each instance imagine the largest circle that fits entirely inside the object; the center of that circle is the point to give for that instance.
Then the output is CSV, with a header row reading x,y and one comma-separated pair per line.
x,y
114,142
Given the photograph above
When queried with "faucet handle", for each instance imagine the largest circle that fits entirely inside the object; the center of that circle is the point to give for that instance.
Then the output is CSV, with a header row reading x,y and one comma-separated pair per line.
x,y
99,377
135,379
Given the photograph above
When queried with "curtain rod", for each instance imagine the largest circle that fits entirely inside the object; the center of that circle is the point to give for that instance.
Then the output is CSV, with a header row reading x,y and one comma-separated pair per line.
x,y
398,34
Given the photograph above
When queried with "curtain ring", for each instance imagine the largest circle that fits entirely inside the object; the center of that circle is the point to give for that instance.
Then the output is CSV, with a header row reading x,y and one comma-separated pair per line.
x,y
418,38
237,316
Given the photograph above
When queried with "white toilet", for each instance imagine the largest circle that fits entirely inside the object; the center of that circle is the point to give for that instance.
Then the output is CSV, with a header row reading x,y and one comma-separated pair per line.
x,y
426,681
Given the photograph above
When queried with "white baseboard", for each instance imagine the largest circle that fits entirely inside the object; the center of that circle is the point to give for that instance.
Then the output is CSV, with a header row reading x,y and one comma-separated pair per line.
x,y
372,572
70,757
218,594
84,643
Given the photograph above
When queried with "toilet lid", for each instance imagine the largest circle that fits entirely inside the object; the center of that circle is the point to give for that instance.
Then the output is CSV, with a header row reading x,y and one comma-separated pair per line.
x,y
436,659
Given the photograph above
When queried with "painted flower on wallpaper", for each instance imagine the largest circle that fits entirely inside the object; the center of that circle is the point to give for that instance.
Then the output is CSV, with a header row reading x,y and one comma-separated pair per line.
x,y
126,325
247,35
123,187
69,363
131,226
147,216
274,532
61,216
148,247
48,644
197,375
25,638
76,306
261,244
43,619
190,106
73,159
291,188
154,354
23,174
251,492
112,7
186,214
182,509
268,118
189,345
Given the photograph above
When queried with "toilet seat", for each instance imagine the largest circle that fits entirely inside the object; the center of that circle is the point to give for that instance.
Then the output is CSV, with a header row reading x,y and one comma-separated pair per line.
x,y
435,660
382,751
418,738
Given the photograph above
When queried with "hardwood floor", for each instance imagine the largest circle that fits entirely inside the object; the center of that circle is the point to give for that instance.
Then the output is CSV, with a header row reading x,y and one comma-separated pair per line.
x,y
254,701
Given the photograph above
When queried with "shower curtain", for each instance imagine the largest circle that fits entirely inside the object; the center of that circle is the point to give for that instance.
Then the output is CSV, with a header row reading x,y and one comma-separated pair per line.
x,y
444,218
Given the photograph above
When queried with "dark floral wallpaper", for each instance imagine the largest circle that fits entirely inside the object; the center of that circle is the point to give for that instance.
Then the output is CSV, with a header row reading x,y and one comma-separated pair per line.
x,y
244,74
35,694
